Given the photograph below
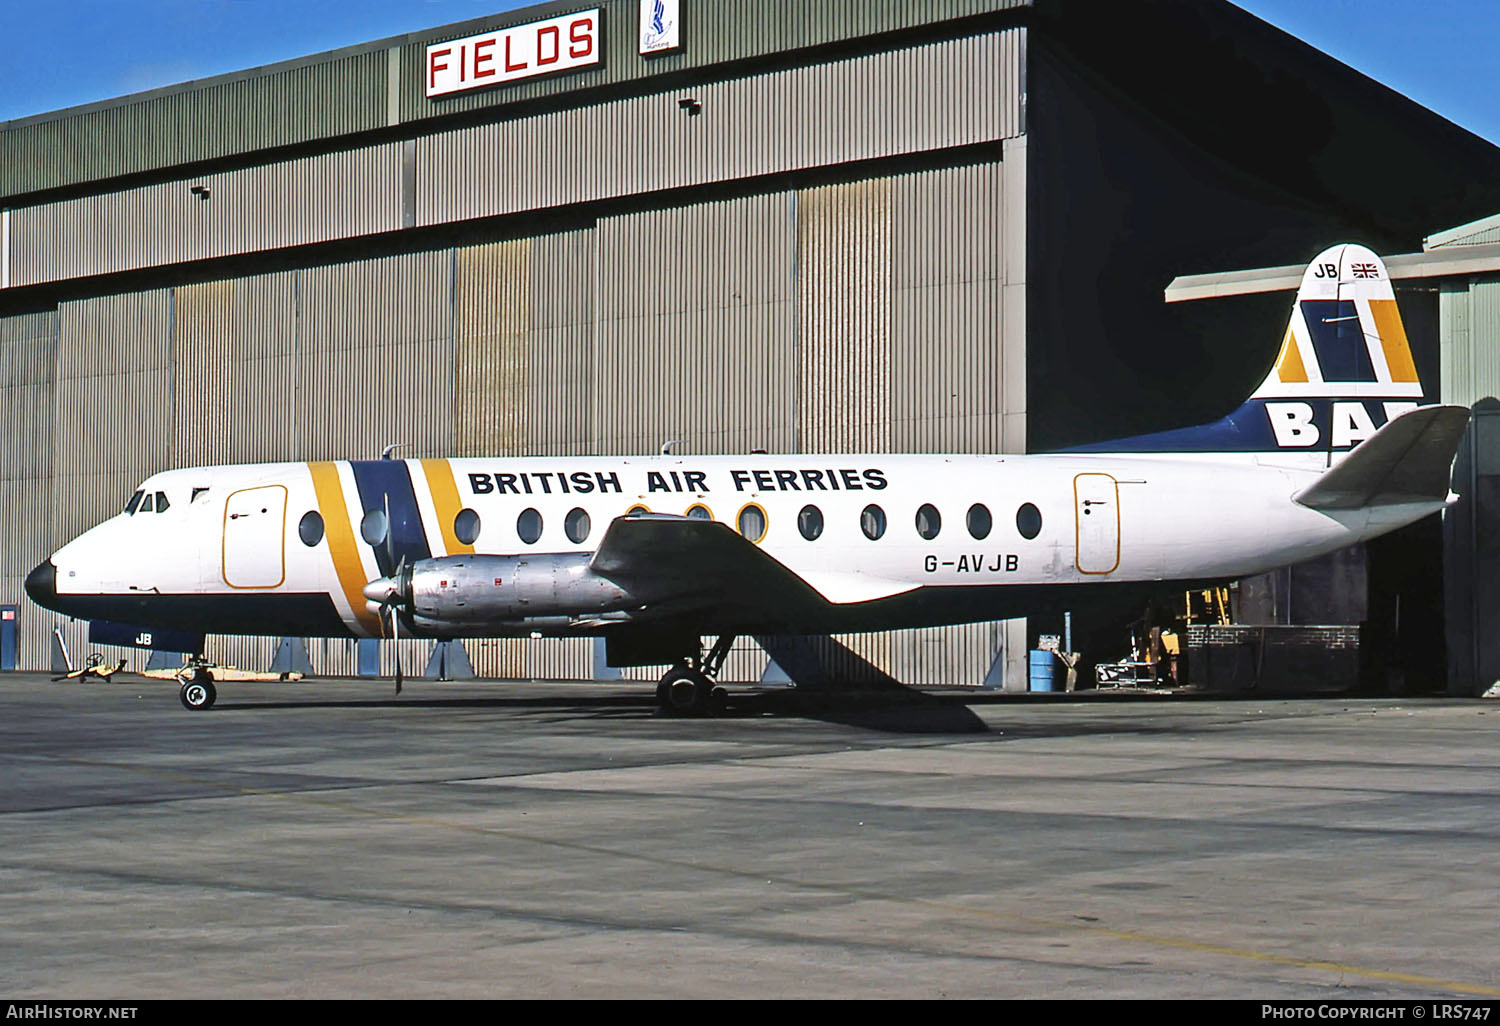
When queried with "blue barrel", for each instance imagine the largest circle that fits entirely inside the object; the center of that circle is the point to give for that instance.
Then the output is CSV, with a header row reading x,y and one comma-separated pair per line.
x,y
1043,670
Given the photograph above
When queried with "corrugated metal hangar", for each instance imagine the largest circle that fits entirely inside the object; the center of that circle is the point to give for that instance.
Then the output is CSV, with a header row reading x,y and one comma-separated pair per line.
x,y
802,225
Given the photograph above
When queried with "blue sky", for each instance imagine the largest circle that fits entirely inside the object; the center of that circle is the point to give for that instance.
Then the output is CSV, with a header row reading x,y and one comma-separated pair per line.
x,y
60,53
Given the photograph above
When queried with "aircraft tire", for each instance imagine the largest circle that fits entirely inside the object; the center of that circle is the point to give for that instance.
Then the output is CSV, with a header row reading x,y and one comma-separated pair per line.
x,y
684,692
198,695
718,700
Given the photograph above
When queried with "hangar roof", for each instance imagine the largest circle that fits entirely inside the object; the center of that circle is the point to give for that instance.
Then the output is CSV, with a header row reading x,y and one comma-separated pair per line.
x,y
1286,116
1477,260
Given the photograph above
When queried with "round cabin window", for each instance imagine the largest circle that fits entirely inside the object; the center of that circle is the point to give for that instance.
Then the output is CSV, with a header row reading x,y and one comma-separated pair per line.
x,y
810,522
752,522
466,526
1029,521
310,528
529,526
929,523
576,526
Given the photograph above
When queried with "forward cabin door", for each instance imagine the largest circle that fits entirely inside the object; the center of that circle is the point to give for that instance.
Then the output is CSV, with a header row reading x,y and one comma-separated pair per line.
x,y
254,537
1096,499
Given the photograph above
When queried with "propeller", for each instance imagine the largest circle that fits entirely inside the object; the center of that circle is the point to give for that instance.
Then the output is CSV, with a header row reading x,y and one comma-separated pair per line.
x,y
386,595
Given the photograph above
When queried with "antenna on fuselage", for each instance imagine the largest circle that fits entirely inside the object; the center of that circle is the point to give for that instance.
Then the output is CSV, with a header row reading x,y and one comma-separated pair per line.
x,y
385,453
666,447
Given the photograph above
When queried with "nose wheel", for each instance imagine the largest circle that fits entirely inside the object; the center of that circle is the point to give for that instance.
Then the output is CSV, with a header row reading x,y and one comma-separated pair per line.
x,y
688,688
198,691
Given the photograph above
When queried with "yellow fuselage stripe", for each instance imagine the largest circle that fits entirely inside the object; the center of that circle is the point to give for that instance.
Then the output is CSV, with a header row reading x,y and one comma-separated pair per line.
x,y
341,543
446,501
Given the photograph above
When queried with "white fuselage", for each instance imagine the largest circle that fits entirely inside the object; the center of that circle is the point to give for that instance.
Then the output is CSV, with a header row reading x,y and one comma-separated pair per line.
x,y
237,536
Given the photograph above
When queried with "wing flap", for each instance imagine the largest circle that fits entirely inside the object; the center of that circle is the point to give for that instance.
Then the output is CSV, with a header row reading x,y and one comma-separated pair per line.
x,y
1408,460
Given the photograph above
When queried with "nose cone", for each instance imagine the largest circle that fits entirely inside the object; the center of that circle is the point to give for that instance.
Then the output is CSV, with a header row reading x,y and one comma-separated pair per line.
x,y
381,589
41,585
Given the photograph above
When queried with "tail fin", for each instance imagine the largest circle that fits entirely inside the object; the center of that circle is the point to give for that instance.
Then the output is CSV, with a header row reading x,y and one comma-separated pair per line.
x,y
1345,338
1344,369
1410,460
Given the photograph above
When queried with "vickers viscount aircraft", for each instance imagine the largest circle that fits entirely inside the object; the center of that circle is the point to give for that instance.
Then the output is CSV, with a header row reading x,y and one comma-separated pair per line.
x,y
656,553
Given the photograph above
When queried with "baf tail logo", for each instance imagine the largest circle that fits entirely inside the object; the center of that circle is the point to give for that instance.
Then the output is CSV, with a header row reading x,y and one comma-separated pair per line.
x,y
1345,366
660,26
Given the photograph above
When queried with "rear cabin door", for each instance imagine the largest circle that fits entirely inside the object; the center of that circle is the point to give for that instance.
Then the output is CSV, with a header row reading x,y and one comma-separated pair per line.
x,y
254,537
1097,509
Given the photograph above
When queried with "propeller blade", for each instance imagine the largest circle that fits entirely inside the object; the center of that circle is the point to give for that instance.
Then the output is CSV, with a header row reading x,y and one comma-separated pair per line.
x,y
390,535
396,637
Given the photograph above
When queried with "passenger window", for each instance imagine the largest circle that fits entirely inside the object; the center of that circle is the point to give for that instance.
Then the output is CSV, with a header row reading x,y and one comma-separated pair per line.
x,y
145,506
810,522
529,526
1029,521
979,521
699,512
872,522
576,526
135,501
928,521
161,502
310,528
466,526
752,522
373,527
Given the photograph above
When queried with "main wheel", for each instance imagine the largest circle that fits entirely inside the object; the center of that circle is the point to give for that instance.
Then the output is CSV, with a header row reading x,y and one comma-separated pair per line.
x,y
685,692
198,694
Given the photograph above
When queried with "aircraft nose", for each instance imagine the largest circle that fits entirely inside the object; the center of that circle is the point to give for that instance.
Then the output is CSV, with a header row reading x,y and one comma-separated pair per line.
x,y
41,584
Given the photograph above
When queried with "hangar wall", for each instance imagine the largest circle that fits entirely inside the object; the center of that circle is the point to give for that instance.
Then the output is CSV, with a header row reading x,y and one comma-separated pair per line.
x,y
1469,316
858,108
813,327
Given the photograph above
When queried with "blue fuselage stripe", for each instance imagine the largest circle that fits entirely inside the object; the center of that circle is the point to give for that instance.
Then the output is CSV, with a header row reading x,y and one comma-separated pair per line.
x,y
380,481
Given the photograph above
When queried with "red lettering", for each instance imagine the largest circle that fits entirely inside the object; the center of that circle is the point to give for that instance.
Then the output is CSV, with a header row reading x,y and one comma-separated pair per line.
x,y
481,58
463,62
433,67
508,65
549,32
581,35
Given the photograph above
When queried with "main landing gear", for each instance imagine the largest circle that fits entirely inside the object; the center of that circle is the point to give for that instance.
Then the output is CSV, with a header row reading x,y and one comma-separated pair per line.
x,y
688,688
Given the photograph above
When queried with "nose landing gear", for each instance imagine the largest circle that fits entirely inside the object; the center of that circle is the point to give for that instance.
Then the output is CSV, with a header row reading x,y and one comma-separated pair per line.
x,y
198,690
688,688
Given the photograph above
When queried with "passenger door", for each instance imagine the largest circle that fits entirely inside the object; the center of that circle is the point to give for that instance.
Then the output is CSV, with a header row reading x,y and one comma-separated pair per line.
x,y
254,537
1097,514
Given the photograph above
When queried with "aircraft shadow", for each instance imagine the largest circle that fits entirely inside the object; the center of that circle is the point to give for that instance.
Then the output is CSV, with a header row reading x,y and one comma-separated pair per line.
x,y
894,711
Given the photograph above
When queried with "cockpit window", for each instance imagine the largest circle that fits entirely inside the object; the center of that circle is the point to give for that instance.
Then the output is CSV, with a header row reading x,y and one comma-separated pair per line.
x,y
145,506
161,502
135,500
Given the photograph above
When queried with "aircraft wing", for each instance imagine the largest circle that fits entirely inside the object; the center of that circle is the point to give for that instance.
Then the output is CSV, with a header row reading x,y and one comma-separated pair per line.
x,y
681,558
1408,460
685,560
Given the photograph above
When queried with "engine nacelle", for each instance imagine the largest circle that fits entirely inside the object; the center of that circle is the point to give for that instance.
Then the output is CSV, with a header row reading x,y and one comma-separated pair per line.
x,y
473,590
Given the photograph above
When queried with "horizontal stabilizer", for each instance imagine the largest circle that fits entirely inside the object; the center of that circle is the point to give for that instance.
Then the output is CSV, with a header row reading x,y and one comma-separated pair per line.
x,y
1408,460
